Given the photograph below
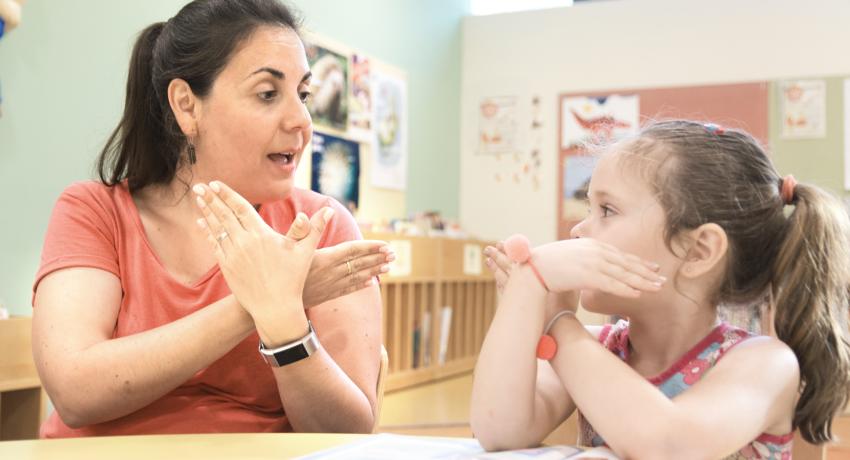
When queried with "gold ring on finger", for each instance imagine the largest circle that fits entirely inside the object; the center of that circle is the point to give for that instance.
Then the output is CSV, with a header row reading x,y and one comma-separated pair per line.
x,y
348,264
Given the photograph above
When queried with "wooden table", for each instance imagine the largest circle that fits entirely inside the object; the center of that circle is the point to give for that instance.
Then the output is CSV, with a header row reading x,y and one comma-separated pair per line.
x,y
254,446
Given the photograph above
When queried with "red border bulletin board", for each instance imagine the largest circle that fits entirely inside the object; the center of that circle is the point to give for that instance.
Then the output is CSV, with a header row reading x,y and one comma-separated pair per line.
x,y
743,106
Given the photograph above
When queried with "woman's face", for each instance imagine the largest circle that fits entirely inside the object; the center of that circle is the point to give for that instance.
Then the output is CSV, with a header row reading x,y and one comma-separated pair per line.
x,y
254,125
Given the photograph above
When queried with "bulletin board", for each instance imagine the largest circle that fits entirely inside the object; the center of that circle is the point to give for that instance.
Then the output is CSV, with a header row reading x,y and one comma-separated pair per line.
x,y
743,106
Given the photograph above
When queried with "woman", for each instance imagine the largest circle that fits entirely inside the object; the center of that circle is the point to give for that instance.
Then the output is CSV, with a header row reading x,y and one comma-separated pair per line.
x,y
140,325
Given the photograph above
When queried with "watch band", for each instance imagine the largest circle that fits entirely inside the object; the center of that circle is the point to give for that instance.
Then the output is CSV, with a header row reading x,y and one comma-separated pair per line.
x,y
293,351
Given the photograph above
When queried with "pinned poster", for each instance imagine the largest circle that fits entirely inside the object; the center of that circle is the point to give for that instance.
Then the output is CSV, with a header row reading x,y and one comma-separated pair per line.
x,y
497,125
389,155
598,119
328,104
803,106
336,169
360,104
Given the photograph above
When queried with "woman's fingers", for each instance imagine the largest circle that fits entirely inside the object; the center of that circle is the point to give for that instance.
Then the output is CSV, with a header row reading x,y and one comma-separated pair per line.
x,y
318,222
218,234
244,211
372,264
210,203
300,227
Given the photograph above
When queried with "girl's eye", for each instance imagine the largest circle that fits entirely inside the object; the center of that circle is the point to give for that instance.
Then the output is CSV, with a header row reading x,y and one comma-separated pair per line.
x,y
305,96
267,96
606,211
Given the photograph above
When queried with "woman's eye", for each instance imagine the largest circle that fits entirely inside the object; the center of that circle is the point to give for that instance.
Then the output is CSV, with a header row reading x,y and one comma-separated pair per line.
x,y
606,211
268,95
305,96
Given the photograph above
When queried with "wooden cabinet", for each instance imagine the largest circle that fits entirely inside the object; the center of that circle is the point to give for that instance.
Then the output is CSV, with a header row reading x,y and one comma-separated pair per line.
x,y
22,401
431,274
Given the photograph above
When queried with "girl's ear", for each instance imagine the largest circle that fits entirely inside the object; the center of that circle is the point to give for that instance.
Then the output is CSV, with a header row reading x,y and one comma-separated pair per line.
x,y
707,250
185,106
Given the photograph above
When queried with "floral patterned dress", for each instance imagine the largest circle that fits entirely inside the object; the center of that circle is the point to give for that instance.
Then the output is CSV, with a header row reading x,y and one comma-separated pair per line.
x,y
685,372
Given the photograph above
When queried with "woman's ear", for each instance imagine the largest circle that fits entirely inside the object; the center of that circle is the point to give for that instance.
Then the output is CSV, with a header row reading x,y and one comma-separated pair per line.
x,y
707,250
184,104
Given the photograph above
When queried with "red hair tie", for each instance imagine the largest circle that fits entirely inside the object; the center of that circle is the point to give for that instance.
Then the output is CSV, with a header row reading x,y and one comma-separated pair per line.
x,y
786,190
517,249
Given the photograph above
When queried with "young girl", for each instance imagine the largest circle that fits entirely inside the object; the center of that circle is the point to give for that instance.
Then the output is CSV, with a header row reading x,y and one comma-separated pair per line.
x,y
683,217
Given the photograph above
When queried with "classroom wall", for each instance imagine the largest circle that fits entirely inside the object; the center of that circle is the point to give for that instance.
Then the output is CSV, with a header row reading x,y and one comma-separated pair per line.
x,y
621,44
63,74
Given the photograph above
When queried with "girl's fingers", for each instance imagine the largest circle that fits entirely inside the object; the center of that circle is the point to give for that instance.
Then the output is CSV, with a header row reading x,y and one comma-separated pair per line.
x,y
630,278
618,288
633,264
208,201
244,211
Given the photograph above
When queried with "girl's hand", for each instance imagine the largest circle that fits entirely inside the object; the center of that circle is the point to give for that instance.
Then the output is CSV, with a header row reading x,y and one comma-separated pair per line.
x,y
329,275
499,263
584,263
265,270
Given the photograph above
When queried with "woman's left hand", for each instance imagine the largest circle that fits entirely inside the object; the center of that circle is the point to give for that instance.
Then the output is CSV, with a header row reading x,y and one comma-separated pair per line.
x,y
264,269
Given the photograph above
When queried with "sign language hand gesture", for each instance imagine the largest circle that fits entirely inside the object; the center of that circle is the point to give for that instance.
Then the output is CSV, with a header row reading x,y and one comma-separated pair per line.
x,y
265,270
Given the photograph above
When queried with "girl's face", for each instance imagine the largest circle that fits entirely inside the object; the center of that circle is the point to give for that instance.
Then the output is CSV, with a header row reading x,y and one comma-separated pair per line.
x,y
624,213
254,125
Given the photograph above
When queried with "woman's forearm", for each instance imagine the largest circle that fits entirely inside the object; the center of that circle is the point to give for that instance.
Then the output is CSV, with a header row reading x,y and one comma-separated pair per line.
x,y
504,386
319,397
116,377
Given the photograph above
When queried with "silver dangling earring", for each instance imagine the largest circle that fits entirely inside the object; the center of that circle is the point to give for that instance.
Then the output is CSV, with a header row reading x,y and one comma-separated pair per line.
x,y
190,149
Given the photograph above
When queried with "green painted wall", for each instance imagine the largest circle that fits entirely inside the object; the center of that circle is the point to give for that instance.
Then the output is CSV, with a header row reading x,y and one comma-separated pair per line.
x,y
63,74
819,161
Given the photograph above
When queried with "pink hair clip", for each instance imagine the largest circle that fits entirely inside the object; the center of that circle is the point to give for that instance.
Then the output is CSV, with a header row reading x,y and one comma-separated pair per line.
x,y
714,129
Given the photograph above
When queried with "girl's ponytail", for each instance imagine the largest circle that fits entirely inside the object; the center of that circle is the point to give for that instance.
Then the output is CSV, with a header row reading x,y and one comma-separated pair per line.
x,y
810,291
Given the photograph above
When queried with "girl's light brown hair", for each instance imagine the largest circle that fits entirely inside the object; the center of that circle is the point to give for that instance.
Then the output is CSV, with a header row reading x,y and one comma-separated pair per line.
x,y
800,259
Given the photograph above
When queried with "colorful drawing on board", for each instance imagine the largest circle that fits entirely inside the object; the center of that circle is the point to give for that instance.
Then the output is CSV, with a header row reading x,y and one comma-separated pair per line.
x,y
497,125
336,169
389,155
598,119
577,172
803,105
328,103
360,106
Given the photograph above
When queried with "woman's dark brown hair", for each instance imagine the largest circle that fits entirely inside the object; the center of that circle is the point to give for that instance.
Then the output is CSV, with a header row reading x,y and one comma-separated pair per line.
x,y
799,256
195,45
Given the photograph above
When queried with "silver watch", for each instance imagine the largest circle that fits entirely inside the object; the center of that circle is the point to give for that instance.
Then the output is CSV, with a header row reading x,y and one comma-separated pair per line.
x,y
293,351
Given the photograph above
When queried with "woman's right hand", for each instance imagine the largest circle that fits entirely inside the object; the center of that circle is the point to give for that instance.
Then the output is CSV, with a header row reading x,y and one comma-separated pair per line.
x,y
587,264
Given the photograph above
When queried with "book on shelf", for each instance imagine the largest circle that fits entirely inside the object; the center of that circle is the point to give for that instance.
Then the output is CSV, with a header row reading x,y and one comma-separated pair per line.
x,y
445,327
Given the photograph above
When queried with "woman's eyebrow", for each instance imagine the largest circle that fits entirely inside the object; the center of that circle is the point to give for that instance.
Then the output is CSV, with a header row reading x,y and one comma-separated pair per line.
x,y
274,72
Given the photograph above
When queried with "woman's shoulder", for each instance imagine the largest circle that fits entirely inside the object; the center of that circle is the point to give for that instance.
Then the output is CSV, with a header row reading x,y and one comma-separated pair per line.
x,y
309,201
94,192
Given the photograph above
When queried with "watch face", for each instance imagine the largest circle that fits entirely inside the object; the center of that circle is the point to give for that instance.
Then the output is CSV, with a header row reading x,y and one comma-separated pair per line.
x,y
291,355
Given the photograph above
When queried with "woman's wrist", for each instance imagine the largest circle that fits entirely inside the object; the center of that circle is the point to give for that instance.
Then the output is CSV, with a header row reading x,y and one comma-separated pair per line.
x,y
282,325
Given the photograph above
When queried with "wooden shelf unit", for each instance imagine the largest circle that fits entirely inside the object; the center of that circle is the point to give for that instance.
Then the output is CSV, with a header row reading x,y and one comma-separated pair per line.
x,y
436,279
22,400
